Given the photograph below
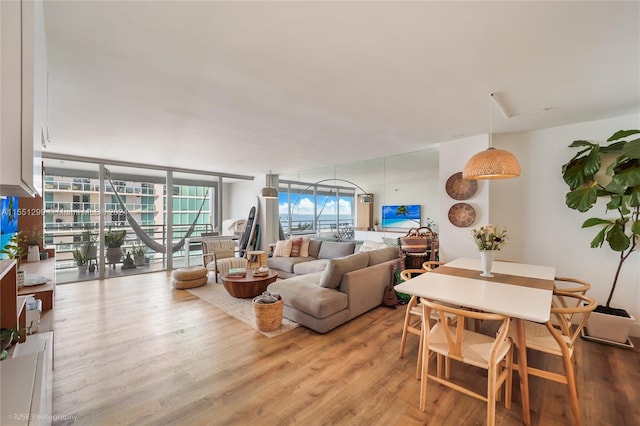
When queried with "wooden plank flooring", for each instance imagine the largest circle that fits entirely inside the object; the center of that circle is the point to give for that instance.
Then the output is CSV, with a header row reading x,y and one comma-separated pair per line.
x,y
134,351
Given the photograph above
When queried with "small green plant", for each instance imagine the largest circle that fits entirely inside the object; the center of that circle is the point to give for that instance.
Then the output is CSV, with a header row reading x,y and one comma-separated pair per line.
x,y
80,256
34,236
113,239
139,250
14,249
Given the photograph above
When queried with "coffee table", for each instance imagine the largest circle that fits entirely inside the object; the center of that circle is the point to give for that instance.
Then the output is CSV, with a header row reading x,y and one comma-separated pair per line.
x,y
248,286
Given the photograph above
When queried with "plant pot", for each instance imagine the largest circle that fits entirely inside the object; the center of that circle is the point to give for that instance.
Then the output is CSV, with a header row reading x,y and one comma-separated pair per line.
x,y
34,254
92,251
610,327
138,260
114,255
82,269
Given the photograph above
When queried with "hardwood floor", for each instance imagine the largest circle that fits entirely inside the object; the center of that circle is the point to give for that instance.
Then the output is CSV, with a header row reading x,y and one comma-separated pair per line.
x,y
134,351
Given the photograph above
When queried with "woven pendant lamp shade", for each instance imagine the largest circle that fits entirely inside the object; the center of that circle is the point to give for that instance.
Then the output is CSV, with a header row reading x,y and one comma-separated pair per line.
x,y
492,163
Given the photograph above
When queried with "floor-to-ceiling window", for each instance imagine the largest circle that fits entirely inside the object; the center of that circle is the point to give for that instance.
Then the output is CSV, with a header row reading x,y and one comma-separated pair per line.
x,y
316,207
136,202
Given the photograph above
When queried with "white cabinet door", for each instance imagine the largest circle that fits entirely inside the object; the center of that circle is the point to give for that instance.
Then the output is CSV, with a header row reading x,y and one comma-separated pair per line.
x,y
23,97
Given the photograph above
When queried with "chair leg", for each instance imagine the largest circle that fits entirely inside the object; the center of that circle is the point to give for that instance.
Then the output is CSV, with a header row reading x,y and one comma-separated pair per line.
x,y
508,386
407,319
491,395
419,362
425,368
573,389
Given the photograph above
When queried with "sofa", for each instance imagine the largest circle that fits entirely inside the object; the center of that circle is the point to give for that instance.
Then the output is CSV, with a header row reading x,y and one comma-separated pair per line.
x,y
322,293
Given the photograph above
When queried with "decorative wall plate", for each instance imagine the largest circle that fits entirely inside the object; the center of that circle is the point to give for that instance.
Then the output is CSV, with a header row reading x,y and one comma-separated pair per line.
x,y
459,188
462,215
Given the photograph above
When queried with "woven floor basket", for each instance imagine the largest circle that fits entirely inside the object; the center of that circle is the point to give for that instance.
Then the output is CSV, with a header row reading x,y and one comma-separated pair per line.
x,y
268,315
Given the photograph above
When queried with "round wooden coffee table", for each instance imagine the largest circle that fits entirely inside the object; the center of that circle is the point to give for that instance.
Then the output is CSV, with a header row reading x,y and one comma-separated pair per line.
x,y
248,286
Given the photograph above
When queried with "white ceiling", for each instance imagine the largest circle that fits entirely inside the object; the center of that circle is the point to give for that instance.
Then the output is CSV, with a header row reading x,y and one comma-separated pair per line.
x,y
248,87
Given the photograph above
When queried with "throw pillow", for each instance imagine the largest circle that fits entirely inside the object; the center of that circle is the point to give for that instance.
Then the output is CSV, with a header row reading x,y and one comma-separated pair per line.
x,y
283,248
304,249
332,275
296,244
333,249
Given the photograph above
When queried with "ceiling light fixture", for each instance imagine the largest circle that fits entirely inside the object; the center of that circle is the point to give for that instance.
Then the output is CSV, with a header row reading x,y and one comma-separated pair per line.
x,y
491,163
269,191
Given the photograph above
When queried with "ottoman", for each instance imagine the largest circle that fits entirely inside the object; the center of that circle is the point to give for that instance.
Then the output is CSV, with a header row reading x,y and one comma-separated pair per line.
x,y
193,276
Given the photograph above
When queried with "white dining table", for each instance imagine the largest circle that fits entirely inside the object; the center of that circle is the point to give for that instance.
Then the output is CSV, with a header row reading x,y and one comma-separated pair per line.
x,y
520,291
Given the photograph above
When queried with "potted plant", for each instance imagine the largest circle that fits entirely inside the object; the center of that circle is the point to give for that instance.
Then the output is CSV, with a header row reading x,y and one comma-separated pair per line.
x,y
113,240
14,250
620,187
80,256
33,239
375,225
89,247
139,253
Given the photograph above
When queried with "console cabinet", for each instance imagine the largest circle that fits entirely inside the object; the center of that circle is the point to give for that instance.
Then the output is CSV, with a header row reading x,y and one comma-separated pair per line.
x,y
23,97
27,373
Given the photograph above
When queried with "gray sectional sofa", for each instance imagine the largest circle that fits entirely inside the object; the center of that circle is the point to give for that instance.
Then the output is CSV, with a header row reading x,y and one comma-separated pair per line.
x,y
322,293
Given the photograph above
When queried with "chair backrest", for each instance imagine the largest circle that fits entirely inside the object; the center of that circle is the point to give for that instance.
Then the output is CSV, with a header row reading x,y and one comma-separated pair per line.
x,y
455,340
407,274
220,248
571,309
430,265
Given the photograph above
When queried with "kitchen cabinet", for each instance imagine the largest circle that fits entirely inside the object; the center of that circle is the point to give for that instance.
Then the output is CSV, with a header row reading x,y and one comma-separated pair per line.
x,y
23,97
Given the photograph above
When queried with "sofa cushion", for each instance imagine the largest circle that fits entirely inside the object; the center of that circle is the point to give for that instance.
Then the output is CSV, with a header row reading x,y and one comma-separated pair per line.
x,y
383,255
283,248
310,267
286,264
296,245
333,249
314,247
304,248
304,294
332,275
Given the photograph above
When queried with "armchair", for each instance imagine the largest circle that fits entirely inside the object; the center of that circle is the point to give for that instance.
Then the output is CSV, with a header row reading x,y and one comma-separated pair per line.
x,y
219,256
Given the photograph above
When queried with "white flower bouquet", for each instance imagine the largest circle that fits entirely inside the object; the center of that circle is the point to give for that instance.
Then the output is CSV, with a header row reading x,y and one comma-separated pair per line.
x,y
490,237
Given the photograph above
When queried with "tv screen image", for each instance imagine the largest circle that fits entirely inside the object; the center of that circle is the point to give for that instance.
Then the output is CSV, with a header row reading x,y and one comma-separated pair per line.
x,y
401,216
8,220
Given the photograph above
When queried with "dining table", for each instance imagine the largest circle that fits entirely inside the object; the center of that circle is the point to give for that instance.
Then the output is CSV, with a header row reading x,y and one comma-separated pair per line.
x,y
521,291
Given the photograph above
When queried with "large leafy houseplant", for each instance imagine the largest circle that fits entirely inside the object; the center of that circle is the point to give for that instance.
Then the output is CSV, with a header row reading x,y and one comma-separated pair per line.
x,y
622,193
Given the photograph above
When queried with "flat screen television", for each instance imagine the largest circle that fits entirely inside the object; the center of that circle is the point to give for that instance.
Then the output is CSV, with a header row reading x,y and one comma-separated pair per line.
x,y
401,216
8,220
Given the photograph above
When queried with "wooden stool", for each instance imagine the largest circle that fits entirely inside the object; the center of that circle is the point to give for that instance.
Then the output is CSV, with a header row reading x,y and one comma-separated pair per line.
x,y
257,258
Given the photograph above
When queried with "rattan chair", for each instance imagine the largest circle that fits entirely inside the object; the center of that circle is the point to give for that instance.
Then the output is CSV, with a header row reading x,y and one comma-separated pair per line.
x,y
219,256
450,342
557,337
413,315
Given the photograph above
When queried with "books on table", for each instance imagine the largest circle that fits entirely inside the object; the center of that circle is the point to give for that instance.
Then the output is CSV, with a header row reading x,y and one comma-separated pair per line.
x,y
237,272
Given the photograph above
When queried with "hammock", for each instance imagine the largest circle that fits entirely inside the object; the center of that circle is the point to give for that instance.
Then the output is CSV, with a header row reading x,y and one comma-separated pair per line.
x,y
146,239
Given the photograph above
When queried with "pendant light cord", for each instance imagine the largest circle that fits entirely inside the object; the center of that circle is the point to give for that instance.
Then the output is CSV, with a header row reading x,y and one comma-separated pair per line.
x,y
490,121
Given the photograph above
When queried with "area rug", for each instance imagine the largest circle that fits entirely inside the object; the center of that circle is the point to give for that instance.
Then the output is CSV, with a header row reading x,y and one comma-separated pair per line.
x,y
241,309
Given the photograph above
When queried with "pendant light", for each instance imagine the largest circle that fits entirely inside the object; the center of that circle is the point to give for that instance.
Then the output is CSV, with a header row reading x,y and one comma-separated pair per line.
x,y
491,163
269,191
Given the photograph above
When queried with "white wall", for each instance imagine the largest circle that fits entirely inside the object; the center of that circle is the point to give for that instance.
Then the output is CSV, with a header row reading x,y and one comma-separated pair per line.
x,y
543,230
456,241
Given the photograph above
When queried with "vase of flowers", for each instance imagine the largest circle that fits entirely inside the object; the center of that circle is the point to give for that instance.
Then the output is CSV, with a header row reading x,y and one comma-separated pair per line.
x,y
489,239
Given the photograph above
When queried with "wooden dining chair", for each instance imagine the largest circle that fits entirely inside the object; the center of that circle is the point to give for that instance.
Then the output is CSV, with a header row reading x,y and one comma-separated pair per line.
x,y
569,314
413,315
454,342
